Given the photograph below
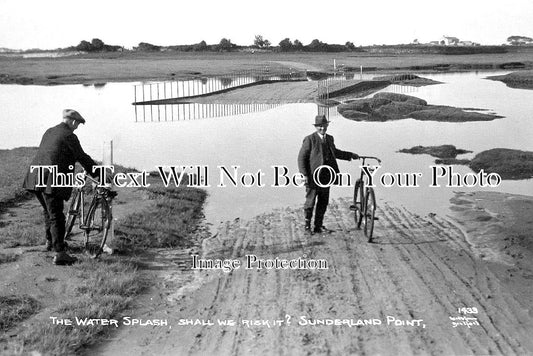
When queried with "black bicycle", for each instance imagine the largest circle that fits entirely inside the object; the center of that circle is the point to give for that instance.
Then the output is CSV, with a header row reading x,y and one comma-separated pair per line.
x,y
97,222
364,200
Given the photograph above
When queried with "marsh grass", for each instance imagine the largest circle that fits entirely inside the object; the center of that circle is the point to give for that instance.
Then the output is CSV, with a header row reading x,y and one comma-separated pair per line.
x,y
171,223
109,285
15,308
14,164
6,258
141,66
29,232
109,277
508,163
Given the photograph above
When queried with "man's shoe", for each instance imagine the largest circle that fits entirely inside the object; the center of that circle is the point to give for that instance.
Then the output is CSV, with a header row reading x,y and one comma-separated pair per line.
x,y
62,259
307,227
321,230
108,249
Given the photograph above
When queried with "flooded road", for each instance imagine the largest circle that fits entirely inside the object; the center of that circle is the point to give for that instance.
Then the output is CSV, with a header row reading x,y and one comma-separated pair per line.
x,y
251,139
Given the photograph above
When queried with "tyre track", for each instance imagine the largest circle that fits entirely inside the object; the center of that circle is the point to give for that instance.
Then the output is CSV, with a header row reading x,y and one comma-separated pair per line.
x,y
444,304
508,343
398,304
406,303
419,268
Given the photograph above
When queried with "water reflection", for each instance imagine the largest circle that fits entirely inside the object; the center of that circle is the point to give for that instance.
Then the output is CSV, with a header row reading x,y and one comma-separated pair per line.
x,y
96,85
402,89
329,112
194,111
156,92
273,137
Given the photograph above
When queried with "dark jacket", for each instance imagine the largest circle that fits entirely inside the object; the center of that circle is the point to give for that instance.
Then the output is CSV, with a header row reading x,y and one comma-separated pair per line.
x,y
59,146
311,156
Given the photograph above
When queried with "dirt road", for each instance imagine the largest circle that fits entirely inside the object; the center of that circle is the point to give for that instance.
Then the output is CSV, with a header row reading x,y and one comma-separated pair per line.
x,y
394,297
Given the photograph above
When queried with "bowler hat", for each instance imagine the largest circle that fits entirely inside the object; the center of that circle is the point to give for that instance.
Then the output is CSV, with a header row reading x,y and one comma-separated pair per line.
x,y
321,120
73,115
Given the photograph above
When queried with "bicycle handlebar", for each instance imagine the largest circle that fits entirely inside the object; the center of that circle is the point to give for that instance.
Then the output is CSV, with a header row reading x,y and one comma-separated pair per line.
x,y
95,181
370,157
91,178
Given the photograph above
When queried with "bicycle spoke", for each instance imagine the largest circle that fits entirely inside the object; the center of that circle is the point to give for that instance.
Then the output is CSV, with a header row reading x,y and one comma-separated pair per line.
x,y
73,213
97,226
357,204
370,214
364,206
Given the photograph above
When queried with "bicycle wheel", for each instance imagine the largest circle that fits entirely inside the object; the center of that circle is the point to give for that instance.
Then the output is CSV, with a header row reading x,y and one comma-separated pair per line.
x,y
358,203
97,226
73,212
370,212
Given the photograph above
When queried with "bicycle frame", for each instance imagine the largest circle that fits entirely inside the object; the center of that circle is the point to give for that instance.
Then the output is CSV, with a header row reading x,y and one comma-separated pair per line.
x,y
363,177
76,210
364,201
79,206
89,221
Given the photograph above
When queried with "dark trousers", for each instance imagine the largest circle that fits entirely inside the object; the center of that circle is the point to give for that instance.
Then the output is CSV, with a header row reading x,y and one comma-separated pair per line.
x,y
320,196
54,219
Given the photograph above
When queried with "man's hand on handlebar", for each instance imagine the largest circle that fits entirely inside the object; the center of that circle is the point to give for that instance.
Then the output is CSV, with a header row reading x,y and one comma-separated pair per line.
x,y
365,158
108,183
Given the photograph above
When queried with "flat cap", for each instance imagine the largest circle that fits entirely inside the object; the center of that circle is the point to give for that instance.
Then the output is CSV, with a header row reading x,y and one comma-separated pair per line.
x,y
73,115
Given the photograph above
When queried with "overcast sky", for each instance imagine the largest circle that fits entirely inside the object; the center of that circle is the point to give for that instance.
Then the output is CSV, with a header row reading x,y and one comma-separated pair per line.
x,y
51,24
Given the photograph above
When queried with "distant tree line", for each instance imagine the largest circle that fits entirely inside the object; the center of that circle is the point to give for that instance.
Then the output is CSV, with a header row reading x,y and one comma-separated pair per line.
x,y
225,45
519,40
316,46
285,45
96,45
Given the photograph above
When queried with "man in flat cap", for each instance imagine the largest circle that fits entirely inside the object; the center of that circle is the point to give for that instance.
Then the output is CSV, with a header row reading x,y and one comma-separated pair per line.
x,y
59,147
318,149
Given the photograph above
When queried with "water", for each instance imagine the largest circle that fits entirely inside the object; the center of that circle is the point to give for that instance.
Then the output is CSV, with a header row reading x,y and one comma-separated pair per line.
x,y
195,87
256,137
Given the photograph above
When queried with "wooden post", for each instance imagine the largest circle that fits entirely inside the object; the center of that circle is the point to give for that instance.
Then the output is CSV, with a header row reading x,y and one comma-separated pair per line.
x,y
151,110
135,100
107,158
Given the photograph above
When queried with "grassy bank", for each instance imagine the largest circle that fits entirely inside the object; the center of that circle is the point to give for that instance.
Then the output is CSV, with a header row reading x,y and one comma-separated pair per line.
x,y
171,222
519,80
508,163
134,66
14,309
14,164
103,288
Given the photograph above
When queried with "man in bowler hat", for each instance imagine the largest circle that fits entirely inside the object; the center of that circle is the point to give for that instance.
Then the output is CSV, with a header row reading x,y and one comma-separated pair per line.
x,y
318,149
59,147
